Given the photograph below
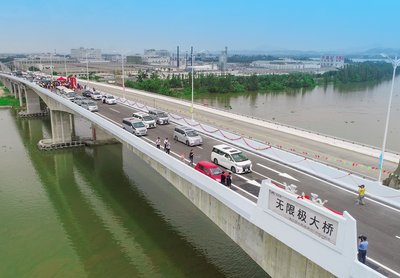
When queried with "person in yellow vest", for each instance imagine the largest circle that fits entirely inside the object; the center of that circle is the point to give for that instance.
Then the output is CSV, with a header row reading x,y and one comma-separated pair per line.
x,y
361,194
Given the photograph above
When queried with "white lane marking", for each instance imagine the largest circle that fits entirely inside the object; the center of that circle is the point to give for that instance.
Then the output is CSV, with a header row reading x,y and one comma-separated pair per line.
x,y
199,147
285,175
115,110
398,237
383,266
248,193
264,176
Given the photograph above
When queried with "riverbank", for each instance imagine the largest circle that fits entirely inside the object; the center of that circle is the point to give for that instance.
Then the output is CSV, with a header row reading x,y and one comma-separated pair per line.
x,y
6,100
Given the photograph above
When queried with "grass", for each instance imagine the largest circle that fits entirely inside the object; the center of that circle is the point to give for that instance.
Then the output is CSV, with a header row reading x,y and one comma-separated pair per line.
x,y
9,101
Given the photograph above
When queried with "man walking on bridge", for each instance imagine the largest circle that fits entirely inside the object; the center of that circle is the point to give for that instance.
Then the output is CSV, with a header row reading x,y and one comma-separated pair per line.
x,y
191,157
361,194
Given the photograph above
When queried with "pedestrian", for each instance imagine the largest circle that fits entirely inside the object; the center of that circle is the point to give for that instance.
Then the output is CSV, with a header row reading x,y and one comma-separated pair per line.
x,y
191,157
167,147
223,177
362,248
165,143
229,180
158,142
361,194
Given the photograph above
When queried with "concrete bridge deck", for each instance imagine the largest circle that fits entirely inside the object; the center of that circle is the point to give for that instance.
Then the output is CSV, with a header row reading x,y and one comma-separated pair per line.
x,y
351,156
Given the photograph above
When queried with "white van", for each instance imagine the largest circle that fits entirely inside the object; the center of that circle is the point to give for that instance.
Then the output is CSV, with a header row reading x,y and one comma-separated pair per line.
x,y
187,135
135,126
146,119
231,158
159,116
69,94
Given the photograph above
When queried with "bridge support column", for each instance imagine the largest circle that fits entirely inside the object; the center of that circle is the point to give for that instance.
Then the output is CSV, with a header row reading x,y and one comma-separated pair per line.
x,y
19,95
62,126
99,136
32,101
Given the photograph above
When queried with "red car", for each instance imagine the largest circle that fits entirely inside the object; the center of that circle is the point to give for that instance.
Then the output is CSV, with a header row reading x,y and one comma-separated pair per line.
x,y
209,169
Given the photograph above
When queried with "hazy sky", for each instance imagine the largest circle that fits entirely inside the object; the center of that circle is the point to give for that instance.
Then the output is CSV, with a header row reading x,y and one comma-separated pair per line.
x,y
132,25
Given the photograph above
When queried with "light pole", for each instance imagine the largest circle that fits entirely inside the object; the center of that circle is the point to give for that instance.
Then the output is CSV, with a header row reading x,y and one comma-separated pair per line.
x,y
65,66
51,66
123,76
87,70
191,110
395,63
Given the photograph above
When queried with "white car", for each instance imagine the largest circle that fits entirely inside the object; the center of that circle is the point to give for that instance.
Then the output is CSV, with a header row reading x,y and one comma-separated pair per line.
x,y
147,120
231,158
96,96
109,99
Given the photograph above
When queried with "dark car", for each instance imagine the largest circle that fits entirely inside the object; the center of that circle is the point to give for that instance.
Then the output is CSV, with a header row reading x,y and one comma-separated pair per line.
x,y
87,94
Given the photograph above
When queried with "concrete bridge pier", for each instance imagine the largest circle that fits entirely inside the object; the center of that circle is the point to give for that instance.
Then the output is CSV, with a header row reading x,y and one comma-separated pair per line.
x,y
19,92
100,136
32,101
7,84
62,127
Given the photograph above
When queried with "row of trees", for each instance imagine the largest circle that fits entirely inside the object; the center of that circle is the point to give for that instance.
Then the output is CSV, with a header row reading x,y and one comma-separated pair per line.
x,y
360,72
209,83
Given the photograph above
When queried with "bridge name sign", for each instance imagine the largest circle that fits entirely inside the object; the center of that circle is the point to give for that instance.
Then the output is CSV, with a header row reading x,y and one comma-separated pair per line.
x,y
304,217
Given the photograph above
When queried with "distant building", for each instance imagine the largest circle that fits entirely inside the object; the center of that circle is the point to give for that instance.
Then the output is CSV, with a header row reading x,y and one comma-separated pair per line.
x,y
286,65
332,61
156,60
223,60
134,59
83,53
111,57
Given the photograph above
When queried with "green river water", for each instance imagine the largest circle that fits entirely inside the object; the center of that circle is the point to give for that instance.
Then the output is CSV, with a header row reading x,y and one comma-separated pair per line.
x,y
100,212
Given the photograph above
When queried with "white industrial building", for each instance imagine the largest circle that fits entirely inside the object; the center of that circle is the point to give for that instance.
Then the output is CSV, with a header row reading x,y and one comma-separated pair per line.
x,y
286,64
86,53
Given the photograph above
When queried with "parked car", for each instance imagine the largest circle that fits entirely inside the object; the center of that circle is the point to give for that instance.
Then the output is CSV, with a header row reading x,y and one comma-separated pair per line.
x,y
96,96
90,105
209,169
78,100
147,120
159,116
135,126
231,158
87,93
109,99
187,136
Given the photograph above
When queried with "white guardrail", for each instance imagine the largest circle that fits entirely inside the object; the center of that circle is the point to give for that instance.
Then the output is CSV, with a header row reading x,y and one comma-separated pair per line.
x,y
335,252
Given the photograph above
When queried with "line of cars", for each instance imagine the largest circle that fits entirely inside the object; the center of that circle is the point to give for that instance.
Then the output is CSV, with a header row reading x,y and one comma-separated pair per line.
x,y
88,98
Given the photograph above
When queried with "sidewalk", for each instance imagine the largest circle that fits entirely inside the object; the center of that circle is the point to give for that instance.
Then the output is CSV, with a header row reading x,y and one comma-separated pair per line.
x,y
308,145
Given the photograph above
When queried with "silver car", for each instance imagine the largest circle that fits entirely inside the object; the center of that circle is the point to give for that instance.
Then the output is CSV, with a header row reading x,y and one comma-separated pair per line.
x,y
147,120
187,136
90,105
160,116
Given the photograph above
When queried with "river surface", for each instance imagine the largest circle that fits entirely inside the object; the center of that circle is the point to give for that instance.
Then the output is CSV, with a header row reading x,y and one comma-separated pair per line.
x,y
100,212
355,112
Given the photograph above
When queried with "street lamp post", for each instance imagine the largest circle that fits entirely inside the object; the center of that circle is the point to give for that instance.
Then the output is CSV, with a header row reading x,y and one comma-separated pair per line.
x,y
123,76
87,70
51,65
395,63
191,110
65,66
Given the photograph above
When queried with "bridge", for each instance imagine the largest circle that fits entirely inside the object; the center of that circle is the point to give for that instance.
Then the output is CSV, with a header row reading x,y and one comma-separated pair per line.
x,y
248,214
